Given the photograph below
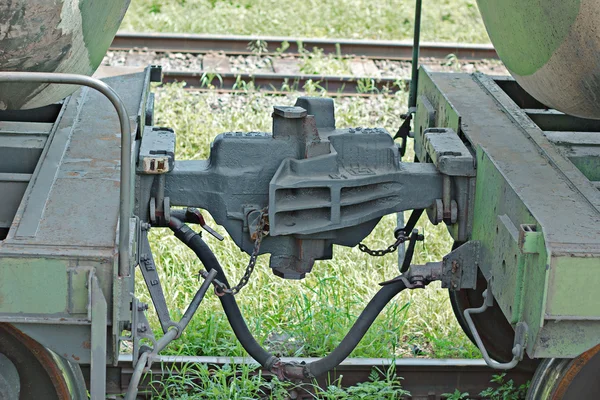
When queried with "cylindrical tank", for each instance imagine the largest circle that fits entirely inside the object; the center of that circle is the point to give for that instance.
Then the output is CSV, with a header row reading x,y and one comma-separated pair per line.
x,y
68,36
552,48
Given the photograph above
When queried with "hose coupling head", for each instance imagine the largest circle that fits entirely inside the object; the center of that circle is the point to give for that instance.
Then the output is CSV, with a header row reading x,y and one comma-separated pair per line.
x,y
290,371
418,276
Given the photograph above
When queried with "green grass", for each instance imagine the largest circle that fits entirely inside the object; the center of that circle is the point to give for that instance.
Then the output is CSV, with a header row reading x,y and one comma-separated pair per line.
x,y
443,20
308,317
246,382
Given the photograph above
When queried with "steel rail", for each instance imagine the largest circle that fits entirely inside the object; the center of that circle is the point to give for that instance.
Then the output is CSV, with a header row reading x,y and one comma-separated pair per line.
x,y
424,378
280,83
238,45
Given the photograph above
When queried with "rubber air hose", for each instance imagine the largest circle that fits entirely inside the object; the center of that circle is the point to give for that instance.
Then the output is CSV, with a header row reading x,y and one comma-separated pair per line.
x,y
230,306
243,334
356,333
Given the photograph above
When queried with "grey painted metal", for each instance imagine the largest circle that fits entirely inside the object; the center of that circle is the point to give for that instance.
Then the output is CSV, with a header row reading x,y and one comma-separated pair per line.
x,y
323,186
21,144
460,267
533,131
402,247
152,279
46,174
548,119
125,188
98,310
132,389
20,154
448,153
75,225
10,386
25,128
157,151
72,341
229,44
12,187
341,189
520,336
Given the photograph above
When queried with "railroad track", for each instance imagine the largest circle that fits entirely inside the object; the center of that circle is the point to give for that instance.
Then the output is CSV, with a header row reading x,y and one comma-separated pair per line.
x,y
423,378
238,45
213,55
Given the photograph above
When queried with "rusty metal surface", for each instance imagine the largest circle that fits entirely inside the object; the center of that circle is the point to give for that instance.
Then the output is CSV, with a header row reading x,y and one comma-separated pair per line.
x,y
373,49
567,379
580,380
41,374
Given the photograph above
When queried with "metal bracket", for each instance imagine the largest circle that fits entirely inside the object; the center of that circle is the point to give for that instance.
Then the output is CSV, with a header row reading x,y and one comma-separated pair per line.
x,y
140,329
160,209
150,274
157,151
418,276
143,358
448,152
97,311
460,267
519,343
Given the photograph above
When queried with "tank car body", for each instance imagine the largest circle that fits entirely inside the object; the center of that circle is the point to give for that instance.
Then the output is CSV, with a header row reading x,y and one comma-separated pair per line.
x,y
552,48
69,36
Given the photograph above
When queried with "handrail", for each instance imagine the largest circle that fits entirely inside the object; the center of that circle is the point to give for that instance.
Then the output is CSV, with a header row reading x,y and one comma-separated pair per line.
x,y
125,184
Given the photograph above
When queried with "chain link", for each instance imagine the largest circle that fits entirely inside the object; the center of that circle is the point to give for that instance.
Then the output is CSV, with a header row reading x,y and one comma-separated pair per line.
x,y
260,234
380,253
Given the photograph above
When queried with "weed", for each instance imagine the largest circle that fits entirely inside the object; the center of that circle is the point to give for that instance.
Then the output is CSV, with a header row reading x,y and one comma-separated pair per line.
x,y
246,86
314,88
154,7
452,61
284,46
258,47
506,390
367,85
381,386
207,78
316,62
456,395
200,381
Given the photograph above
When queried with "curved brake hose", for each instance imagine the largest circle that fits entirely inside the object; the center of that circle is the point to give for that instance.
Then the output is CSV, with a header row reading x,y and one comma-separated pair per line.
x,y
270,362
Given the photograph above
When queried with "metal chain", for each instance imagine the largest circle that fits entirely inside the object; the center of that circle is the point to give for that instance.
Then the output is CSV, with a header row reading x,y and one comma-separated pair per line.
x,y
260,234
380,253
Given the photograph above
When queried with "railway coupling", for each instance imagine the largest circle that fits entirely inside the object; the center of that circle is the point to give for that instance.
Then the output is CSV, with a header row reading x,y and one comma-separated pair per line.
x,y
294,194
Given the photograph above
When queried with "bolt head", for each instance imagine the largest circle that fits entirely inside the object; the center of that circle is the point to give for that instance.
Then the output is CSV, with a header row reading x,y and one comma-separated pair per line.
x,y
289,112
